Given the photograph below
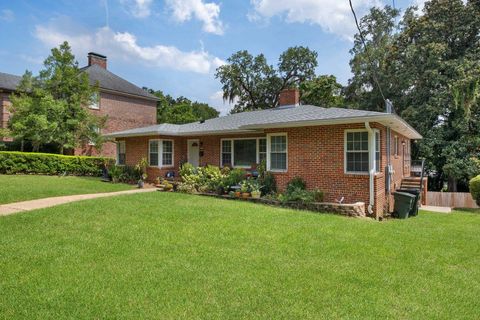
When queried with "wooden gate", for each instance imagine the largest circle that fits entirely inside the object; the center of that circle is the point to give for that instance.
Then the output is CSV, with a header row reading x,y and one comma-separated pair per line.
x,y
451,199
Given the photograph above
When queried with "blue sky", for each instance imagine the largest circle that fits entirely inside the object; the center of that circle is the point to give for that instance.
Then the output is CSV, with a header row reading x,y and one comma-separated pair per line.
x,y
175,45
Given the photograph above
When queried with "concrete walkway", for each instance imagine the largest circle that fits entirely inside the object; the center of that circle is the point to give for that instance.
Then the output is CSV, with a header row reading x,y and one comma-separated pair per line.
x,y
16,207
436,209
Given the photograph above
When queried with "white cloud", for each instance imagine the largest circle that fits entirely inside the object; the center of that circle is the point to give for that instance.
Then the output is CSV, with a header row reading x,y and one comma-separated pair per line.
x,y
7,15
207,13
333,16
216,101
138,8
124,45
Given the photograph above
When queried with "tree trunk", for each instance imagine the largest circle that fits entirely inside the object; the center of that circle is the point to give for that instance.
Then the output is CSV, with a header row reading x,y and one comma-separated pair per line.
x,y
22,145
61,149
452,184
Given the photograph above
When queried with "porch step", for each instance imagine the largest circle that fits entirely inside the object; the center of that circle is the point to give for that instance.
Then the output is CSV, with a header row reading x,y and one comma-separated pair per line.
x,y
411,182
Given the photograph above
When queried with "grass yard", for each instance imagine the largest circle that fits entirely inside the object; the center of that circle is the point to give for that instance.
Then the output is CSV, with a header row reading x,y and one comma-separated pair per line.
x,y
177,256
15,188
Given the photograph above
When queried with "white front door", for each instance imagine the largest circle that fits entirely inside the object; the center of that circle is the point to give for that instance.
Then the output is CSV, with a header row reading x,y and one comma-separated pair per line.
x,y
193,152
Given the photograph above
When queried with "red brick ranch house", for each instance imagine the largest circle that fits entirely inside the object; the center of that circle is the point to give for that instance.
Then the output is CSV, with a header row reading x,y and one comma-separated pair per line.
x,y
345,153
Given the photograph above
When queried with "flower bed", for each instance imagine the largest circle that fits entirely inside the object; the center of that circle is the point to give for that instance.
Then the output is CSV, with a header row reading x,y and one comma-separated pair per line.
x,y
346,209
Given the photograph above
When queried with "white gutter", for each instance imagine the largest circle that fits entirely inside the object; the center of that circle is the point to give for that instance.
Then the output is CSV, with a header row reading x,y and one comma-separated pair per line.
x,y
371,162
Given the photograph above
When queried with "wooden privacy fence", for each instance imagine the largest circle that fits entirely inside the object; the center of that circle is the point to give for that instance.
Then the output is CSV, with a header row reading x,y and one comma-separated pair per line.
x,y
451,199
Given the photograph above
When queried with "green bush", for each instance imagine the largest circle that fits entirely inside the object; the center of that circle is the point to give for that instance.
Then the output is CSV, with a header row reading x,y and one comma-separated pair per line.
x,y
12,162
234,177
300,195
268,183
296,183
475,189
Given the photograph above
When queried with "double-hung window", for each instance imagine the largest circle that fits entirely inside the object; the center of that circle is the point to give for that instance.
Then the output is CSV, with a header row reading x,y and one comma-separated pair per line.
x,y
121,151
395,146
160,153
242,152
277,152
94,101
356,152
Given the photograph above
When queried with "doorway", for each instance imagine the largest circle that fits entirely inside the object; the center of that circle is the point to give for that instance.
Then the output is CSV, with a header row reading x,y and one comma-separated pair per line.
x,y
193,152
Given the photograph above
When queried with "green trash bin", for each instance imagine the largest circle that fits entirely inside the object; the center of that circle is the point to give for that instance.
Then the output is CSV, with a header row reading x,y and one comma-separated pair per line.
x,y
416,205
404,203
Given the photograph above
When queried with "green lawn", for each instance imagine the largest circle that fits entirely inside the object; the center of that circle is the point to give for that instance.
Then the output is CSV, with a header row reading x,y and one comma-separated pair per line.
x,y
177,256
15,188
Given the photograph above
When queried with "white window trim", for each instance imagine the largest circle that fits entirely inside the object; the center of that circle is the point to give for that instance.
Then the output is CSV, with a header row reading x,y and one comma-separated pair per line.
x,y
95,106
269,136
118,152
257,155
345,171
160,153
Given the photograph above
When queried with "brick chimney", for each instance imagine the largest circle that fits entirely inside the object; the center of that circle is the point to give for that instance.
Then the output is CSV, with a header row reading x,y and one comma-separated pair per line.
x,y
98,59
289,97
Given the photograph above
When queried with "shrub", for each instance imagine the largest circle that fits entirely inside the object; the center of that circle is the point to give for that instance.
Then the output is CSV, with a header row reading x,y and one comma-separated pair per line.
x,y
12,162
475,189
300,195
268,183
235,176
296,183
129,174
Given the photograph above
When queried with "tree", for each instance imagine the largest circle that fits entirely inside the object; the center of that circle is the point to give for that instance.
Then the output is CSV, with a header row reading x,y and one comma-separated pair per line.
x,y
322,91
430,69
50,108
181,110
253,84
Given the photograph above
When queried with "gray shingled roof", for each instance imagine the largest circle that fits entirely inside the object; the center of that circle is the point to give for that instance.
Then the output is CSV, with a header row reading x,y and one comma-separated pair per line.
x,y
105,78
288,116
9,81
110,81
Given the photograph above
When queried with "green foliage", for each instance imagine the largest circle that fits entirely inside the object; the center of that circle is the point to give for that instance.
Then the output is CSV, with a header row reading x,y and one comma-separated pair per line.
x,y
475,188
50,108
428,65
51,164
201,179
254,84
268,183
301,195
181,110
234,177
296,183
323,91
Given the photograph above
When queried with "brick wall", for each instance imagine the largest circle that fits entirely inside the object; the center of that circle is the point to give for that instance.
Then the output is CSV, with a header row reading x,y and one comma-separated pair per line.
x,y
314,153
122,113
4,113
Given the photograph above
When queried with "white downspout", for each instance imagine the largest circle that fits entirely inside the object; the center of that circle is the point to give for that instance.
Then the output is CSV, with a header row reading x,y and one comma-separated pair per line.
x,y
371,162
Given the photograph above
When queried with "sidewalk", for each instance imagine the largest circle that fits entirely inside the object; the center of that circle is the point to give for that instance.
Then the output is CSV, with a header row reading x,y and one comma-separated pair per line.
x,y
436,209
11,208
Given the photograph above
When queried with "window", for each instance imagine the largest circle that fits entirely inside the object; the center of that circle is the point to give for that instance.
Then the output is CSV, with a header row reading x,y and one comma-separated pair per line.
x,y
160,152
395,146
262,150
167,153
153,153
278,153
244,152
226,153
95,129
121,153
94,101
356,152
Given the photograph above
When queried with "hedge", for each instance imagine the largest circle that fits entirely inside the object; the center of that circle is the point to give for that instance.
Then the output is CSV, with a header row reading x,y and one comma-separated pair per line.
x,y
475,189
12,162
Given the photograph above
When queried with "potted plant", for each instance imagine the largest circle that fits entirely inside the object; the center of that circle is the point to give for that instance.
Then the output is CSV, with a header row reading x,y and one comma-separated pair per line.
x,y
244,189
255,190
141,169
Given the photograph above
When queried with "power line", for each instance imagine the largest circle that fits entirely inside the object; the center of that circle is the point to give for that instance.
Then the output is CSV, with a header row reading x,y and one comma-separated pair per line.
x,y
366,51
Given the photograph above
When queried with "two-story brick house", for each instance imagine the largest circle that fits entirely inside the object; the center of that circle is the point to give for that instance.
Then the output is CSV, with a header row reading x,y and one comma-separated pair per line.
x,y
126,105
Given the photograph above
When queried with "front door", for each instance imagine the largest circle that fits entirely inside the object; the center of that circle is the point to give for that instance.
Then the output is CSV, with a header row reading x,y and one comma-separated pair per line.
x,y
193,152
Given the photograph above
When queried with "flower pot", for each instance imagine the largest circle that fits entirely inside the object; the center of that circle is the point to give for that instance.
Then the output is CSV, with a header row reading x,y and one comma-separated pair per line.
x,y
256,194
245,195
141,183
238,194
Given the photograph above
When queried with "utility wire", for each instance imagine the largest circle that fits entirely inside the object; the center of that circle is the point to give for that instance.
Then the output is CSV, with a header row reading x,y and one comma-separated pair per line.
x,y
366,51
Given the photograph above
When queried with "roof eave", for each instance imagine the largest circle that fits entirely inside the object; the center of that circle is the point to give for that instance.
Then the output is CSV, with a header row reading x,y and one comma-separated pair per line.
x,y
153,98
